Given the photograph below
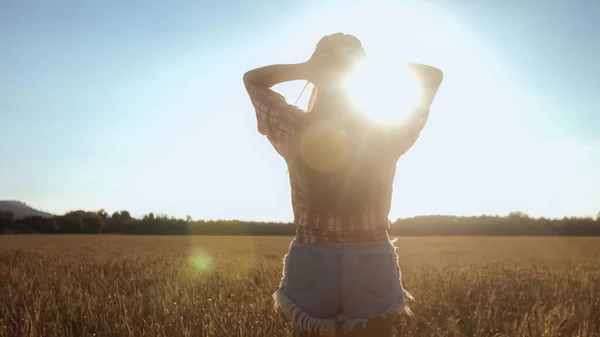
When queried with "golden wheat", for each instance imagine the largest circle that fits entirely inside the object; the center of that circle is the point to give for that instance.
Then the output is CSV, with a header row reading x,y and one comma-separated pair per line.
x,y
221,286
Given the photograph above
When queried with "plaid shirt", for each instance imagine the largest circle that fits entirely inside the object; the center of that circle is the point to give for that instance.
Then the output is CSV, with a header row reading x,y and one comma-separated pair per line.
x,y
278,120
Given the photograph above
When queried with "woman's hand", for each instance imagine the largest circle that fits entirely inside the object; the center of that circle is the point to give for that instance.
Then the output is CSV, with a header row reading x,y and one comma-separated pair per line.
x,y
321,68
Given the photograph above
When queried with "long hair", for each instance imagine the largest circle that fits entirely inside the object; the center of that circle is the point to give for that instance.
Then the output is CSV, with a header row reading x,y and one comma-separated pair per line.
x,y
340,155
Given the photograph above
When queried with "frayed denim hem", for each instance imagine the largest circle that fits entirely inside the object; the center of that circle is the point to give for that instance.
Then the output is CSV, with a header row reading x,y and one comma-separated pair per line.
x,y
348,324
300,319
305,322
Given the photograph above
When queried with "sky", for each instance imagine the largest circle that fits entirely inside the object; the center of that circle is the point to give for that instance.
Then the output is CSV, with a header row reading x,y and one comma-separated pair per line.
x,y
140,105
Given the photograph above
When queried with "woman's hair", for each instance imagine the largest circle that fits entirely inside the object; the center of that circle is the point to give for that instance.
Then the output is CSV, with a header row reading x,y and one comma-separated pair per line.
x,y
339,160
345,50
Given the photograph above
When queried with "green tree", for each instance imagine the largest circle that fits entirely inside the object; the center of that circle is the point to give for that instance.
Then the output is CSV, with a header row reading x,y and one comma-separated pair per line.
x,y
7,221
94,224
125,216
102,213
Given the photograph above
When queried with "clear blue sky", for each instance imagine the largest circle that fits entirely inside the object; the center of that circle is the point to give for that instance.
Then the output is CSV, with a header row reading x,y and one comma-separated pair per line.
x,y
139,105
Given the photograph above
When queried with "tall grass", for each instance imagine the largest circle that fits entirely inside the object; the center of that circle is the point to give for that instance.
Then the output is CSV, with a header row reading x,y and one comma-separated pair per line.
x,y
222,286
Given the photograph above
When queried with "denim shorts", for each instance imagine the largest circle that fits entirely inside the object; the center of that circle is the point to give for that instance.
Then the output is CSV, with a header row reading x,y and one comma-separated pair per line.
x,y
347,283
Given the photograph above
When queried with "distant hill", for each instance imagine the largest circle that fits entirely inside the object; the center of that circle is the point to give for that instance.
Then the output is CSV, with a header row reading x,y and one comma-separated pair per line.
x,y
20,209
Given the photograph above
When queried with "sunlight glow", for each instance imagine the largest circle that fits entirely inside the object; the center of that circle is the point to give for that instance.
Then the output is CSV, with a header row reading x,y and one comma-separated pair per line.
x,y
382,86
383,93
200,260
324,147
473,115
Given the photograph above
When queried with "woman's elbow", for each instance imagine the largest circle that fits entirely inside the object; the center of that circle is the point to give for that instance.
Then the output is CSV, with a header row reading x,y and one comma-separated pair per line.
x,y
249,77
246,78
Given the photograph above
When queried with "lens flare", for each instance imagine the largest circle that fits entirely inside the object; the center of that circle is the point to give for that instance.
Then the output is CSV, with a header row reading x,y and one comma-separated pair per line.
x,y
201,260
324,146
383,93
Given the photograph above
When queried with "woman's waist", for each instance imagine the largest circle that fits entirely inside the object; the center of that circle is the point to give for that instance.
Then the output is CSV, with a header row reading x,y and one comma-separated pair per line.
x,y
331,221
308,234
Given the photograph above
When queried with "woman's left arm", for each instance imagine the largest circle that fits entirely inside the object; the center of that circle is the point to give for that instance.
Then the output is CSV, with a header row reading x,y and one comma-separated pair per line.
x,y
268,76
275,118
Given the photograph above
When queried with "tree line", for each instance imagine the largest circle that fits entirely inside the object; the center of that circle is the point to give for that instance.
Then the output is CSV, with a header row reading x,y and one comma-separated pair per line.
x,y
100,222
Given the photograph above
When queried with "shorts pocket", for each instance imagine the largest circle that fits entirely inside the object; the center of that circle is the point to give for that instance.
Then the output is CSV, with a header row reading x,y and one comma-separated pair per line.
x,y
303,267
378,273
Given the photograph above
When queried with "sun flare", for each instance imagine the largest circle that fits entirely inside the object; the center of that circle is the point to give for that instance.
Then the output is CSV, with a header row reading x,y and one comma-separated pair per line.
x,y
386,84
382,92
475,110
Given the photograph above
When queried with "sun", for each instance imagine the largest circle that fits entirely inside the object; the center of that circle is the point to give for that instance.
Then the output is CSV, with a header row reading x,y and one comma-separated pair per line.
x,y
396,37
384,93
472,110
406,45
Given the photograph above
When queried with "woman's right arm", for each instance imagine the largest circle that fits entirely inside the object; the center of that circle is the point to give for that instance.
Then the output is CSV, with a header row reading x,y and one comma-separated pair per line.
x,y
405,135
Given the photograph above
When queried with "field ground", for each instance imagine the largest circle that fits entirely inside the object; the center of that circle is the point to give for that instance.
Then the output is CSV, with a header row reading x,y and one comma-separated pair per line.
x,y
221,286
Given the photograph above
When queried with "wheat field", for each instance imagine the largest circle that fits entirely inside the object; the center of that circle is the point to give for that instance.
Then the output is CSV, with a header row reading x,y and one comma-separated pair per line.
x,y
222,286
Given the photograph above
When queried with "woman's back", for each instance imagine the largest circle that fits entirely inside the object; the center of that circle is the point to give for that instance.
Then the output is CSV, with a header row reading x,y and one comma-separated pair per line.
x,y
341,166
341,175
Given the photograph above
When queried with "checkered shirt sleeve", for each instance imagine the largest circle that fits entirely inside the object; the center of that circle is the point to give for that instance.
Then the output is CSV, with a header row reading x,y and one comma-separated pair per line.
x,y
275,117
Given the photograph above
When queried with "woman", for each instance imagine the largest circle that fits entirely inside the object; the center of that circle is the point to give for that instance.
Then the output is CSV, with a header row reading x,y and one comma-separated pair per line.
x,y
341,275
